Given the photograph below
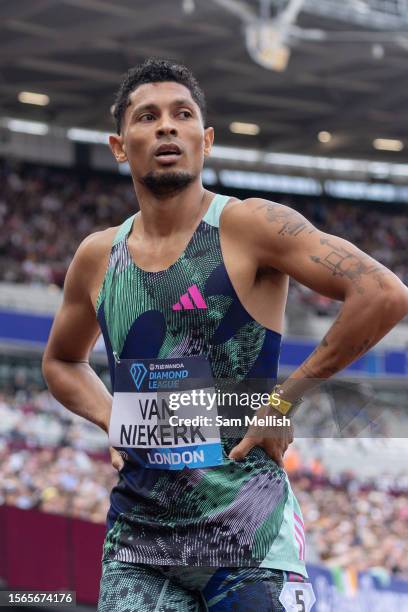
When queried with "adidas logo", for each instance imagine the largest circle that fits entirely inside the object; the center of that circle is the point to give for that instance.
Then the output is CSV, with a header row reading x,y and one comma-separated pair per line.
x,y
190,300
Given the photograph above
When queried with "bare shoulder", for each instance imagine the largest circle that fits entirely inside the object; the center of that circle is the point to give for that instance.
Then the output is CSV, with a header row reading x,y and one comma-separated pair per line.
x,y
256,208
97,245
90,260
246,215
254,215
246,211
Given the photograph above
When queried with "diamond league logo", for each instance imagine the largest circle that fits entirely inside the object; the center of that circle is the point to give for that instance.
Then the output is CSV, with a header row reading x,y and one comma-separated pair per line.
x,y
138,372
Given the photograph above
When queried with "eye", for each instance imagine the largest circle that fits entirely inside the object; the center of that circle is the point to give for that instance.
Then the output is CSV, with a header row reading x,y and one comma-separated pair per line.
x,y
146,117
186,114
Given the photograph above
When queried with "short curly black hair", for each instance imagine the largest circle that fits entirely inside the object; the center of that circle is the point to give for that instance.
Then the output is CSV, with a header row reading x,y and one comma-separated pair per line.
x,y
156,71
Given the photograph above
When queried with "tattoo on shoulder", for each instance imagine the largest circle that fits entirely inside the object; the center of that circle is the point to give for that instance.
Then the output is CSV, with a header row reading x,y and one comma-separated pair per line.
x,y
342,262
289,221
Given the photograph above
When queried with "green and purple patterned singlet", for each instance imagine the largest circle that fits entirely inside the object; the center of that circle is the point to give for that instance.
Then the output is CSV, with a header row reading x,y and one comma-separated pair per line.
x,y
237,514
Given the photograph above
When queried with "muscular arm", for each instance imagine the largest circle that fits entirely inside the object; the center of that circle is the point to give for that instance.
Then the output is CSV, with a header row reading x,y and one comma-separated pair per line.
x,y
75,330
374,298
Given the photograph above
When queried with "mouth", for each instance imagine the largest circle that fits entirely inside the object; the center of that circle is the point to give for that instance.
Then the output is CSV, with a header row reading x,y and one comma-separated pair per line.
x,y
167,153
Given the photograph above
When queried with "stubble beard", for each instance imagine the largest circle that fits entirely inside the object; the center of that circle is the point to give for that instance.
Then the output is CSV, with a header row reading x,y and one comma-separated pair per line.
x,y
164,184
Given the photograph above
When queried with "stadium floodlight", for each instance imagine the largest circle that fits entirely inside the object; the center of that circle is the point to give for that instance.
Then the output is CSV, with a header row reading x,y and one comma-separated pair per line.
x,y
388,144
324,136
30,97
26,127
248,129
90,136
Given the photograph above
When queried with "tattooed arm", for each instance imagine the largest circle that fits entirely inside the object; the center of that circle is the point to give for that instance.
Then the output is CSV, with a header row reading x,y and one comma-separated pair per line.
x,y
374,298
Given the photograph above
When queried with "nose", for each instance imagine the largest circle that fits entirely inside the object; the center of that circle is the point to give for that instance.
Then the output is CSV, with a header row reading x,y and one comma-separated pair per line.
x,y
166,126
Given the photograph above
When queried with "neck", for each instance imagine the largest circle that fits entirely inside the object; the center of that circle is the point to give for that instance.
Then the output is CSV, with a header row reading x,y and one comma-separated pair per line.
x,y
166,216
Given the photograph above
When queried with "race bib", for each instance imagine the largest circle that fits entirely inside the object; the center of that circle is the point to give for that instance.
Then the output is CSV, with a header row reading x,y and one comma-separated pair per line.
x,y
166,409
297,596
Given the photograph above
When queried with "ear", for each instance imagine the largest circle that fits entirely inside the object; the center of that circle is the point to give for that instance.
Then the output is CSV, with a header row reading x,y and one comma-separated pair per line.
x,y
117,148
208,140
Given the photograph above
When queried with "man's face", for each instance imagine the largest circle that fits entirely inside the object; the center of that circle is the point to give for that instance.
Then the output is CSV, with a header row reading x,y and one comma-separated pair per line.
x,y
162,132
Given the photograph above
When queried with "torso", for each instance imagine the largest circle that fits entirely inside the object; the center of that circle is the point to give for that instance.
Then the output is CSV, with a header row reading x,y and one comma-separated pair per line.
x,y
232,513
262,293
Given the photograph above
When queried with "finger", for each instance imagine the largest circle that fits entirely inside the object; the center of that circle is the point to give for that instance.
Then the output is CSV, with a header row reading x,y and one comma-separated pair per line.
x,y
116,459
275,452
277,456
118,464
286,446
242,449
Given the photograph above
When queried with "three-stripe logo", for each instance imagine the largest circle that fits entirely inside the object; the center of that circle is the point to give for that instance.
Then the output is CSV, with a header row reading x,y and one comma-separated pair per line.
x,y
300,535
190,300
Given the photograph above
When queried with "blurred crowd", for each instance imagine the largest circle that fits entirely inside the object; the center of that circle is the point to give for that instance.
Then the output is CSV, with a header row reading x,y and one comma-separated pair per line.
x,y
34,419
52,459
61,480
352,521
45,213
55,461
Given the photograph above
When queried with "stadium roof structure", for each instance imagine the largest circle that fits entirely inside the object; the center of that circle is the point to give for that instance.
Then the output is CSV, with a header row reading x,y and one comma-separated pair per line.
x,y
295,68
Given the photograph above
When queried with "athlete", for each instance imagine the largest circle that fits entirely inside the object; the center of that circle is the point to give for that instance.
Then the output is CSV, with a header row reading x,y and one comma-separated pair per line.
x,y
197,282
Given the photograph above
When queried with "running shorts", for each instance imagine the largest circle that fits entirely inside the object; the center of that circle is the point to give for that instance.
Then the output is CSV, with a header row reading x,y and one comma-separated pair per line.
x,y
129,587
